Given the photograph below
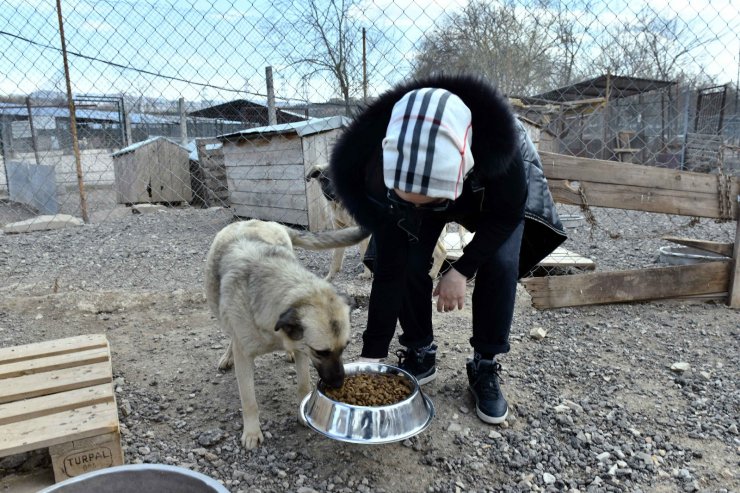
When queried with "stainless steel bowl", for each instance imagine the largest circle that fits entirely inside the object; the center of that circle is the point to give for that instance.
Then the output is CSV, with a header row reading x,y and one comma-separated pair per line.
x,y
370,425
141,478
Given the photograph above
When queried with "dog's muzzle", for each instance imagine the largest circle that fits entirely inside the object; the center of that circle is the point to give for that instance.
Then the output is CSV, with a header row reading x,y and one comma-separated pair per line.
x,y
331,372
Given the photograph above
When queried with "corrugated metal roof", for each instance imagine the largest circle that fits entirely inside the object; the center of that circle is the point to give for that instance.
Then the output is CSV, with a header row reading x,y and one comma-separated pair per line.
x,y
11,109
247,112
620,87
137,145
307,127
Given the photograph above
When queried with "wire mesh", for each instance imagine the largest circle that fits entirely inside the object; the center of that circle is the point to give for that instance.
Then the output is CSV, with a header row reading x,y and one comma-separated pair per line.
x,y
196,104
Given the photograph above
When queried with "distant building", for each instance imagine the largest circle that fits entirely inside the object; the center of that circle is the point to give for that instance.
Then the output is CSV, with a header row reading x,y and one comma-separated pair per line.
x,y
247,112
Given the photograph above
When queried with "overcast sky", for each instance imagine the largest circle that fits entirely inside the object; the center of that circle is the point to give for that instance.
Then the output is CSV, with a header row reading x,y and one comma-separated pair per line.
x,y
220,47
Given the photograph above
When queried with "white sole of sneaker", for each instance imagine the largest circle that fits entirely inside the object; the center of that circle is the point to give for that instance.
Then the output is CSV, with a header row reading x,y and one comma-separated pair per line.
x,y
490,419
428,378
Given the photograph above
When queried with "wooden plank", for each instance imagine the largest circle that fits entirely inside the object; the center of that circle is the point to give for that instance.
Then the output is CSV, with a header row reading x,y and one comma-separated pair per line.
x,y
289,216
170,178
51,382
269,199
733,300
294,171
71,459
638,198
316,151
56,362
292,187
562,257
13,412
709,246
277,150
51,348
572,168
626,286
54,429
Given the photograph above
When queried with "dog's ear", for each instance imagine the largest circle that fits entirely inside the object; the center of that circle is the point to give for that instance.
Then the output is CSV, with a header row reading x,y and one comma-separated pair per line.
x,y
290,323
314,172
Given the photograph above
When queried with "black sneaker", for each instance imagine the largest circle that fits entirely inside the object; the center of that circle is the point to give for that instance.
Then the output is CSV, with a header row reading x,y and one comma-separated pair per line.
x,y
483,377
419,362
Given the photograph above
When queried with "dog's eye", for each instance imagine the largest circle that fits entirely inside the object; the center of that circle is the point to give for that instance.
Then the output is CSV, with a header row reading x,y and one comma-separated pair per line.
x,y
322,354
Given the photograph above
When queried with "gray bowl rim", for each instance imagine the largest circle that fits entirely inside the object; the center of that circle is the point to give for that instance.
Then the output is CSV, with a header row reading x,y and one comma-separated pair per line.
x,y
206,480
417,389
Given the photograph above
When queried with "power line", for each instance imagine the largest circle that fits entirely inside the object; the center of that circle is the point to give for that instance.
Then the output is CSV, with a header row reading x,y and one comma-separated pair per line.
x,y
141,71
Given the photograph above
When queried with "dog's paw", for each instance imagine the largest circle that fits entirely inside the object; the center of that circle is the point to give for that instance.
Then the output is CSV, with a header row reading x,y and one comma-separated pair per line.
x,y
252,438
226,362
289,356
366,274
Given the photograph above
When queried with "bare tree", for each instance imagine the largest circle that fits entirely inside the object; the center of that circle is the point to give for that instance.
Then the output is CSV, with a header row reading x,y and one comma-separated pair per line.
x,y
326,37
653,46
511,49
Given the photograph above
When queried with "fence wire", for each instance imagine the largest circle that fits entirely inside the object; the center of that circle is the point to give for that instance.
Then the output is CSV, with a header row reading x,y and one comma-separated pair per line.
x,y
209,103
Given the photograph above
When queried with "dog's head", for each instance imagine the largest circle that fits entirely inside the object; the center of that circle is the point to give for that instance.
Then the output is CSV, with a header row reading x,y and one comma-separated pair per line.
x,y
321,173
318,325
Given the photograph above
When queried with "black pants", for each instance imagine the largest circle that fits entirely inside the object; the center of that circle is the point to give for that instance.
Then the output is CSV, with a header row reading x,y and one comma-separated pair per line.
x,y
402,290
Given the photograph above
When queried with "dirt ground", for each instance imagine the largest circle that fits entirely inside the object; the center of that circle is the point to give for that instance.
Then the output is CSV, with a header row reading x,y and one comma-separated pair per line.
x,y
594,405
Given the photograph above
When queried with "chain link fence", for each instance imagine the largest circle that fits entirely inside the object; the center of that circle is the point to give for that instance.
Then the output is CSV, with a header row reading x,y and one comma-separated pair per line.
x,y
106,104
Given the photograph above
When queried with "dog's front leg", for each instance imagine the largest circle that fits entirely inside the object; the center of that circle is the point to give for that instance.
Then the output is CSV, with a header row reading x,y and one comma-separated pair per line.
x,y
303,374
336,263
366,273
244,369
439,255
227,360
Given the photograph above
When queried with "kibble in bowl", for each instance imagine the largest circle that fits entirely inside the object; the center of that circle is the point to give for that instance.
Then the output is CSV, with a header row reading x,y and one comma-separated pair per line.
x,y
378,403
371,389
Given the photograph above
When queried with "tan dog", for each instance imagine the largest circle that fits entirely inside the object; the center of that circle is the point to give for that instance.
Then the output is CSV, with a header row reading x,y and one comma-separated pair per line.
x,y
265,300
340,218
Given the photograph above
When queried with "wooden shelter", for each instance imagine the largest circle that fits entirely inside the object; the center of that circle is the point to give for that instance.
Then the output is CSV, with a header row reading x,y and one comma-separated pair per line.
x,y
155,170
266,170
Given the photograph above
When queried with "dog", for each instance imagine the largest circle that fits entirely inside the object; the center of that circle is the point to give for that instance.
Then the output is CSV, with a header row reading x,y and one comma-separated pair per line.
x,y
340,218
265,300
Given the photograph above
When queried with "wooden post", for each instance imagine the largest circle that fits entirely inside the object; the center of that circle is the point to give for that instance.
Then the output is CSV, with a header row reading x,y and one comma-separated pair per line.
x,y
34,143
127,125
364,66
606,133
734,298
72,118
271,113
183,122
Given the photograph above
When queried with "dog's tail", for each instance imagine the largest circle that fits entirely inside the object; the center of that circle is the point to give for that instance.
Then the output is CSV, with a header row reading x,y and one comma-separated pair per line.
x,y
327,239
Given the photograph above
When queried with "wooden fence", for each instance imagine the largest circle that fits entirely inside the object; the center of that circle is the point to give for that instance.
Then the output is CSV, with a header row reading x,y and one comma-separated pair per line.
x,y
596,183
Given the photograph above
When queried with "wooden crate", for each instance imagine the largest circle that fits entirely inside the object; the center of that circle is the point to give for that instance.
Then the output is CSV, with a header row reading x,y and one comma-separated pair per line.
x,y
59,395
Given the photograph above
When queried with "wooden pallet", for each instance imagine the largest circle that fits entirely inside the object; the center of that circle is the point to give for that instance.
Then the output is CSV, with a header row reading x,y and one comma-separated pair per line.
x,y
59,395
559,258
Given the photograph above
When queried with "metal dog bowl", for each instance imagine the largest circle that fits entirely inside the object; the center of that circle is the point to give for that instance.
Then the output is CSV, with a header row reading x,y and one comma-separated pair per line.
x,y
141,478
683,255
364,424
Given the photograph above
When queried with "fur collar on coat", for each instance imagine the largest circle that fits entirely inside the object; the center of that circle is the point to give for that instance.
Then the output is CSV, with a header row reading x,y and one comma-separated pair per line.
x,y
356,166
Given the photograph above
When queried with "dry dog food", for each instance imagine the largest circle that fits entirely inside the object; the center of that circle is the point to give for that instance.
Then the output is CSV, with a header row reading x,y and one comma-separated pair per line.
x,y
371,389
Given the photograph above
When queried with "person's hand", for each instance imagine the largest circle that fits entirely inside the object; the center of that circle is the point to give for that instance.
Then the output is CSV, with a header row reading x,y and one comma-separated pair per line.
x,y
451,291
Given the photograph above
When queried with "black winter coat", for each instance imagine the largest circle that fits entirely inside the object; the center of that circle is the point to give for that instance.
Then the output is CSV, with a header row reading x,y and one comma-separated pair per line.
x,y
507,181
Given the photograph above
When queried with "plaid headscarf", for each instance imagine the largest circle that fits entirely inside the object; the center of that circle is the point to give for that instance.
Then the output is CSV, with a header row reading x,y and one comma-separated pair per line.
x,y
426,149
